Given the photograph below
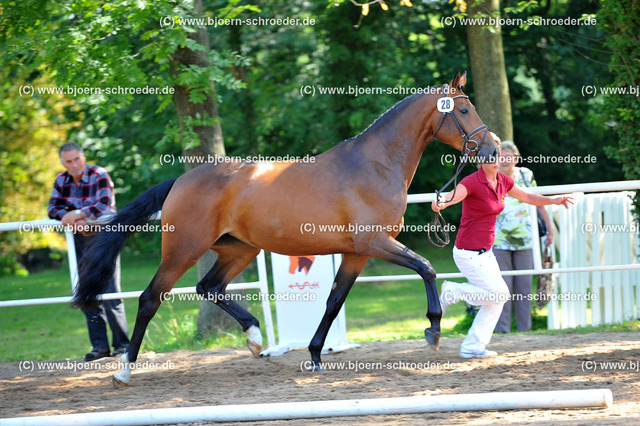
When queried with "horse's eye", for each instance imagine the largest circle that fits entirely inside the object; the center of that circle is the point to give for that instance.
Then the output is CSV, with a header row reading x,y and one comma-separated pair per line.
x,y
464,111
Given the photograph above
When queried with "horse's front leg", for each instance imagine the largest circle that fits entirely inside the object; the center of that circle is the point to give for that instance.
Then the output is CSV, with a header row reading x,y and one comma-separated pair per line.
x,y
349,270
387,248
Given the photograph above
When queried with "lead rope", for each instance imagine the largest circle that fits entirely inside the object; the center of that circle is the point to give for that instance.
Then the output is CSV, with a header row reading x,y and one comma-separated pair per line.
x,y
438,223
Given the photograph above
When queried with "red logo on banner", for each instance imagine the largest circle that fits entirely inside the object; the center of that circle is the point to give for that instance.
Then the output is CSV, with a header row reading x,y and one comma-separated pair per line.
x,y
300,263
306,284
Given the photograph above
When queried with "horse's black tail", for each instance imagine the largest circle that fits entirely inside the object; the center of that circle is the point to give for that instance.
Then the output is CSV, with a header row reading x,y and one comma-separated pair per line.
x,y
99,260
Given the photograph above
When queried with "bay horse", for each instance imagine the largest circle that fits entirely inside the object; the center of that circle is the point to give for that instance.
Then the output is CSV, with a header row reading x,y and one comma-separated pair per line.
x,y
238,208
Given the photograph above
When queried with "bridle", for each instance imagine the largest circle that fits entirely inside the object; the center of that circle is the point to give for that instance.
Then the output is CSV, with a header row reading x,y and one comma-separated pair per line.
x,y
438,221
467,137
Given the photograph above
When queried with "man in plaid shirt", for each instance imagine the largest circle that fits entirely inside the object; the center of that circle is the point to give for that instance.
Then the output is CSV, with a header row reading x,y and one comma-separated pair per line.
x,y
86,191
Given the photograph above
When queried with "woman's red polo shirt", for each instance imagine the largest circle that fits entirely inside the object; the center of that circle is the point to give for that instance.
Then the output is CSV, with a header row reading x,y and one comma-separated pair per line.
x,y
480,209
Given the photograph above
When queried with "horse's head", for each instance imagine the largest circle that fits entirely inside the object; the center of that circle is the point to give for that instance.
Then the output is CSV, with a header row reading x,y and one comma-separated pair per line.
x,y
457,123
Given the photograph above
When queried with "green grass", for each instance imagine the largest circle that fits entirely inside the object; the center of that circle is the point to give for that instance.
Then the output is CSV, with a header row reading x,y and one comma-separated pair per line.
x,y
375,311
57,331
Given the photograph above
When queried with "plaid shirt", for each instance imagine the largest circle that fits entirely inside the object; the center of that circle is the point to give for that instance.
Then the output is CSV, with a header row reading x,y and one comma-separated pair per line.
x,y
93,194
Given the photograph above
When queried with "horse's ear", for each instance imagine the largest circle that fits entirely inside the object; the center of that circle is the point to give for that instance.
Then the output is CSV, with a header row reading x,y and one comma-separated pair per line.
x,y
462,81
454,82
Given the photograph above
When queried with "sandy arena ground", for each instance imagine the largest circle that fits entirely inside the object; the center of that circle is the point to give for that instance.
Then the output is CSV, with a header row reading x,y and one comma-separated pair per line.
x,y
232,376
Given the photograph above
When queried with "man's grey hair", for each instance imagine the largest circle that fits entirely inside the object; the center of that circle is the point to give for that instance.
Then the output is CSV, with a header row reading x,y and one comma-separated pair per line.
x,y
70,146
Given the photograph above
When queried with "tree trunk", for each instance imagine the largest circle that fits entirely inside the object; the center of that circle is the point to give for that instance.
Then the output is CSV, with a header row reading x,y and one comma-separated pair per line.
x,y
246,99
488,72
211,319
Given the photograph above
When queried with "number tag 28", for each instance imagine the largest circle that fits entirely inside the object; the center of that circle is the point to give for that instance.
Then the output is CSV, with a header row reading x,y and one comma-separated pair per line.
x,y
445,104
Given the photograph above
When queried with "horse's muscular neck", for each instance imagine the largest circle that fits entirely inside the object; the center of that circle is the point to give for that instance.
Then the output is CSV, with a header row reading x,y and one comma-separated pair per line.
x,y
403,137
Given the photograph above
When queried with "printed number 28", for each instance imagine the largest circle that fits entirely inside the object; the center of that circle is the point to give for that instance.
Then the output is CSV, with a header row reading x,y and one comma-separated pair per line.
x,y
445,104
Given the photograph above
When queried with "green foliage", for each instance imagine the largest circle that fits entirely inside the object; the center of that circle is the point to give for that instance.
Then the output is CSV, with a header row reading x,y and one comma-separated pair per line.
x,y
28,166
548,67
102,47
109,45
199,78
622,112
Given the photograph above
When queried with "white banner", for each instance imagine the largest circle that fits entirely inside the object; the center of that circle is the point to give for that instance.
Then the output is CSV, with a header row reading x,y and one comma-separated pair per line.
x,y
301,287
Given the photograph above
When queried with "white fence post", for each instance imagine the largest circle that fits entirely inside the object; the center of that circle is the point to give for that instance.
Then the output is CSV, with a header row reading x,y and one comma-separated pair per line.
x,y
597,231
266,305
73,260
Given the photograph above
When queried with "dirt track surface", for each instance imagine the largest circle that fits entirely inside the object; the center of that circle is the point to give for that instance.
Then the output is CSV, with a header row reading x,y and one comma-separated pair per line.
x,y
385,369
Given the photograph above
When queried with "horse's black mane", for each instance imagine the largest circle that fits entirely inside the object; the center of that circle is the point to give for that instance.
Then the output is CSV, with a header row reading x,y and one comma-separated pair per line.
x,y
391,112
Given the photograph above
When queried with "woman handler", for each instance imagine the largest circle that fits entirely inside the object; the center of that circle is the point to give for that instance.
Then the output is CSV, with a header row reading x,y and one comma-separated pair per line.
x,y
482,194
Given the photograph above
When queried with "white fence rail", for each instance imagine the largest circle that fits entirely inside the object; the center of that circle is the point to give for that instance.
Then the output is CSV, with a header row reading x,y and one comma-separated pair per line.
x,y
620,258
598,231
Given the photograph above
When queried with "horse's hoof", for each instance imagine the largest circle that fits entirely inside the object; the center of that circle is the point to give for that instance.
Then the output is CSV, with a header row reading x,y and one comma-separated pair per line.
x,y
254,340
117,383
254,348
433,338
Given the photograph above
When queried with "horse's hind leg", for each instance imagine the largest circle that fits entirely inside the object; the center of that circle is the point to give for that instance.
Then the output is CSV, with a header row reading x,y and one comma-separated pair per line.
x,y
180,251
349,270
150,300
233,257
